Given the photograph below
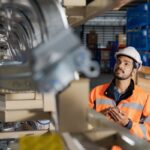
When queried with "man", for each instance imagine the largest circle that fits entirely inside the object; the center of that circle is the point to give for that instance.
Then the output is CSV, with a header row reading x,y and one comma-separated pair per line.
x,y
122,100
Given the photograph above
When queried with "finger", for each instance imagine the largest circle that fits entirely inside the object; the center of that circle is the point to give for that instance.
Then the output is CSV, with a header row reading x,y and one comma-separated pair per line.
x,y
115,117
121,114
116,110
105,111
120,117
116,114
108,109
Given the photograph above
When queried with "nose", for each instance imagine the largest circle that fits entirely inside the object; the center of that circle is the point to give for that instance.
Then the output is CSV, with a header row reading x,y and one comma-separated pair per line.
x,y
120,65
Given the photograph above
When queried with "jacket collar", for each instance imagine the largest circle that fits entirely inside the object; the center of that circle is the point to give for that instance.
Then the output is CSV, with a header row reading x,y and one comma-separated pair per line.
x,y
109,92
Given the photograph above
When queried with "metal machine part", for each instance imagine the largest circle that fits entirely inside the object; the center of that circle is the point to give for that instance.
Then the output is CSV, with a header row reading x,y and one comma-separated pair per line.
x,y
124,138
103,135
46,51
43,49
15,76
54,69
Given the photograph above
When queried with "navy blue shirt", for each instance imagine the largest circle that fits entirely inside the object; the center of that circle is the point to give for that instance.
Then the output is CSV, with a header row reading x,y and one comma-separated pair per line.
x,y
116,95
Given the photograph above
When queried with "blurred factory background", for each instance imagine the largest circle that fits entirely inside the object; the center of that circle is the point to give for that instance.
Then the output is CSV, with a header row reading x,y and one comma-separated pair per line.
x,y
52,53
114,30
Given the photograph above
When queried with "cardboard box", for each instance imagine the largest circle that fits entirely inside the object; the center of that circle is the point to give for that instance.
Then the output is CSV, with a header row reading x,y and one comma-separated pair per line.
x,y
143,78
73,105
143,82
145,70
74,2
28,95
21,105
122,40
23,115
27,101
49,102
26,106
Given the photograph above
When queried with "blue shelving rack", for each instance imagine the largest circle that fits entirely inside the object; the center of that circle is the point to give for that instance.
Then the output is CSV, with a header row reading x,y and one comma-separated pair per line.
x,y
138,30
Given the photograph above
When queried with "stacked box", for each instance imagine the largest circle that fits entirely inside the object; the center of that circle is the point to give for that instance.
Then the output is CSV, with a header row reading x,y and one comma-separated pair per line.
x,y
143,78
25,106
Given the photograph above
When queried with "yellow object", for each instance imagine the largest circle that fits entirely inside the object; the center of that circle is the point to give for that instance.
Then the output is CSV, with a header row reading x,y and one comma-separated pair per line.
x,y
50,141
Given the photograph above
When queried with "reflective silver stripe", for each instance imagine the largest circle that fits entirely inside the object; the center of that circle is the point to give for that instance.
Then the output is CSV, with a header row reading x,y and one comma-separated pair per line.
x,y
105,101
143,130
147,119
133,106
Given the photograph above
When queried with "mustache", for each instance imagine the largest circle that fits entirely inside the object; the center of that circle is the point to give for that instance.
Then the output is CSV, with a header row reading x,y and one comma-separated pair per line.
x,y
119,69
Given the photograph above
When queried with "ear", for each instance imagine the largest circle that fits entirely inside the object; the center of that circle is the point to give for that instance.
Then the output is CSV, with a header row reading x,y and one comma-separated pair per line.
x,y
134,73
135,70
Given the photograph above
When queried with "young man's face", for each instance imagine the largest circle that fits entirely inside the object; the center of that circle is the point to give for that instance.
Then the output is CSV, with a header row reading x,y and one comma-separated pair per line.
x,y
123,68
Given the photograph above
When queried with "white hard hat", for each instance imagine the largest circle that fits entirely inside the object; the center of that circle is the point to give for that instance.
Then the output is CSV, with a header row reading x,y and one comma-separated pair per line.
x,y
132,53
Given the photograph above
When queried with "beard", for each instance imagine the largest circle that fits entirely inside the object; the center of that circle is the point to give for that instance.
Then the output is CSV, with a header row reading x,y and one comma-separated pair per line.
x,y
122,77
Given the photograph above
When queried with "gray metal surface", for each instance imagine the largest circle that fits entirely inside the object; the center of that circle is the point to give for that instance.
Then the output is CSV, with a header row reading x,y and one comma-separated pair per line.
x,y
38,37
55,68
125,138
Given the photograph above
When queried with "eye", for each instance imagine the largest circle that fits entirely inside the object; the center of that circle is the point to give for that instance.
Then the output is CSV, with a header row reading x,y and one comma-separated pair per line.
x,y
126,64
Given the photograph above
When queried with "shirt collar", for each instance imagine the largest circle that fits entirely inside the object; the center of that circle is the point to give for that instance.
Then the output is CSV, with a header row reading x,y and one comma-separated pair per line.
x,y
109,92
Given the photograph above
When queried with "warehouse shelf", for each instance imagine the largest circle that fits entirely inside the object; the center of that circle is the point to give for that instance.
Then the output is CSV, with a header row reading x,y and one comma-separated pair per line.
x,y
138,16
139,38
138,29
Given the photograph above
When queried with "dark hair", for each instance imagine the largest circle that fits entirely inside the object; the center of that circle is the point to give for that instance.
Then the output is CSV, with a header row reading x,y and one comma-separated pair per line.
x,y
136,65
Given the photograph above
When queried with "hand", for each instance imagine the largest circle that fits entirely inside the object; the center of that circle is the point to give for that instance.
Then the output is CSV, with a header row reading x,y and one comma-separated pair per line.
x,y
118,116
105,112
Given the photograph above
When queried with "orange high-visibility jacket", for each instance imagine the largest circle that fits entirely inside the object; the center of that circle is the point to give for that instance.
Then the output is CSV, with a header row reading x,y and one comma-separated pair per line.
x,y
136,107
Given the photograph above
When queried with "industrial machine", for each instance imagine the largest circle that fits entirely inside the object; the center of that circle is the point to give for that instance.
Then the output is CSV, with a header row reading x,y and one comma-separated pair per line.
x,y
40,53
